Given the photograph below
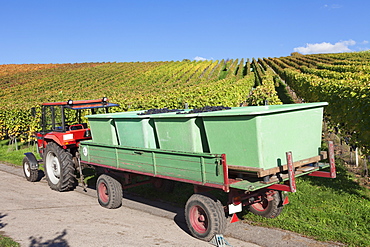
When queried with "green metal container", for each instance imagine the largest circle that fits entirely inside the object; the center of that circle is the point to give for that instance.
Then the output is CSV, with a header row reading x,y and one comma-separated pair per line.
x,y
135,131
103,129
260,136
180,132
131,129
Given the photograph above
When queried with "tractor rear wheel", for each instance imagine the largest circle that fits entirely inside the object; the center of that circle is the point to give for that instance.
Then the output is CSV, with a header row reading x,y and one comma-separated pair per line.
x,y
59,168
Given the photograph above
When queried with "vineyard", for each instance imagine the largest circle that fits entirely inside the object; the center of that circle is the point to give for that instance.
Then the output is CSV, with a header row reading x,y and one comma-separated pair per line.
x,y
328,210
342,79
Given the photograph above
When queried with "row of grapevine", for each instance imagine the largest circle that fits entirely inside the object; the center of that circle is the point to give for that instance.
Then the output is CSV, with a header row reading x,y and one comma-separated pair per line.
x,y
341,79
134,86
264,91
323,72
331,71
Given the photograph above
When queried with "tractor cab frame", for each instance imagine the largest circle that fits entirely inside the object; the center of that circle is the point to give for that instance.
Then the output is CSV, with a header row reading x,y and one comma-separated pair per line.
x,y
62,122
62,129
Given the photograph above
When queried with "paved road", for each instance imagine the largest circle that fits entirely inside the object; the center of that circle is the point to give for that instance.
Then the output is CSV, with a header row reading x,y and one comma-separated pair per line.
x,y
34,215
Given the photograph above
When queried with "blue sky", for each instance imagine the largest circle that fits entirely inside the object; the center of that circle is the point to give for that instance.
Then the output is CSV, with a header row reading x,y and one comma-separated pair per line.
x,y
74,31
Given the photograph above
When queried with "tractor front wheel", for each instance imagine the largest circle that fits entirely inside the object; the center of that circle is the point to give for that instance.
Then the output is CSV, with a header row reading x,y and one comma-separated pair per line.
x,y
31,175
59,168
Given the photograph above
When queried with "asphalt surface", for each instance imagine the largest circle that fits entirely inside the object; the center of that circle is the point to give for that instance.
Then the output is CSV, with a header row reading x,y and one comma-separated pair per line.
x,y
34,215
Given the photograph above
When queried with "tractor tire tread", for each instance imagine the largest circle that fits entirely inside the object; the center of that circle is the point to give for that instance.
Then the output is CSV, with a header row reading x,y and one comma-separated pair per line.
x,y
68,179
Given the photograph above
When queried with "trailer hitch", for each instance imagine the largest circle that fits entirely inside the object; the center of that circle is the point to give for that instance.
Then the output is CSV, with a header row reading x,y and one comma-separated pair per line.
x,y
332,173
82,177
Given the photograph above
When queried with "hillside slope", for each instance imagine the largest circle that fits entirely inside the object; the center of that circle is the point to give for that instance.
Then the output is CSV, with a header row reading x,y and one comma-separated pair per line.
x,y
341,79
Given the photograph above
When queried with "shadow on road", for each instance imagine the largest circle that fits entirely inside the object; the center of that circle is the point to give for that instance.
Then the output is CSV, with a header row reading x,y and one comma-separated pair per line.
x,y
58,241
181,223
179,217
40,175
2,225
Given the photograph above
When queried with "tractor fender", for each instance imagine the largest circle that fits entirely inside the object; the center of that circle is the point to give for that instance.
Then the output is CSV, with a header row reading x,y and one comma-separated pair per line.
x,y
34,164
56,137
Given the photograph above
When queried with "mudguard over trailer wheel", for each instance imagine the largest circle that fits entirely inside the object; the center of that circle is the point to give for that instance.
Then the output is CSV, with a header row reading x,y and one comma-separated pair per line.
x,y
205,217
109,191
270,205
59,168
31,175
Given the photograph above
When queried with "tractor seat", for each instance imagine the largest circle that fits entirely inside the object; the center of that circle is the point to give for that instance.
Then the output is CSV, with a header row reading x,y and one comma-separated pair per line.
x,y
76,127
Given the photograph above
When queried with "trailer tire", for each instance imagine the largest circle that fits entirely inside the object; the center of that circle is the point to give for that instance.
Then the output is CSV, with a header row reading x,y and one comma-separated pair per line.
x,y
205,217
268,208
31,175
59,168
109,191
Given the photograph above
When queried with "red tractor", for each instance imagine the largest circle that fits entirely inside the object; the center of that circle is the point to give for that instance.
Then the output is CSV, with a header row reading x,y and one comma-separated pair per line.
x,y
58,141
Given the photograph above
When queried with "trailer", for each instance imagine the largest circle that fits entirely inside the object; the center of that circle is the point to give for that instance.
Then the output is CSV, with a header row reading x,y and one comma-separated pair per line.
x,y
247,152
253,154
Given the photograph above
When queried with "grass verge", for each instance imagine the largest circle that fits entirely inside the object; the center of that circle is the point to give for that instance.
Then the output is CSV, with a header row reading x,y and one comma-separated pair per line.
x,y
9,154
7,242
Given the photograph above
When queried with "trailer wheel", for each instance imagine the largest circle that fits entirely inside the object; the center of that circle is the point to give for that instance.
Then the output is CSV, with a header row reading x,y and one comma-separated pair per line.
x,y
30,174
270,206
109,192
59,168
205,217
